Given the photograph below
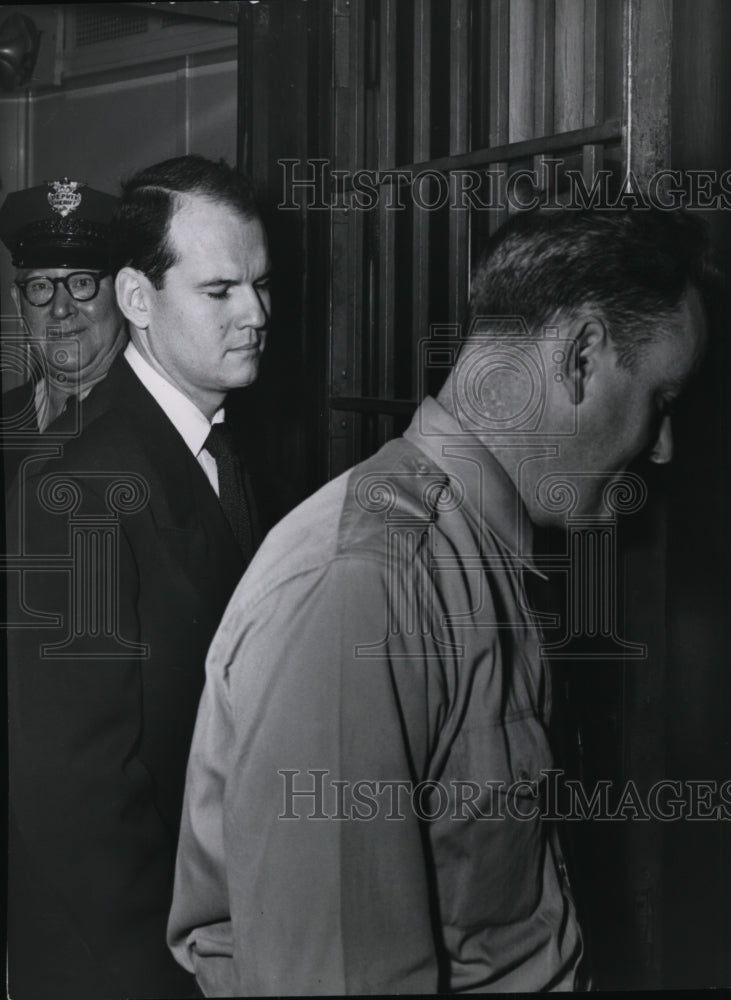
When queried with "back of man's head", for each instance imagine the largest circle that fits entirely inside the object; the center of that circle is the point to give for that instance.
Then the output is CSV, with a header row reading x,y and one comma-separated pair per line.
x,y
151,197
635,266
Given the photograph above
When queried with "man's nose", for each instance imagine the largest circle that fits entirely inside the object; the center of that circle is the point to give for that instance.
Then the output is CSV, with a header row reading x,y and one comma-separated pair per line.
x,y
62,304
253,311
662,451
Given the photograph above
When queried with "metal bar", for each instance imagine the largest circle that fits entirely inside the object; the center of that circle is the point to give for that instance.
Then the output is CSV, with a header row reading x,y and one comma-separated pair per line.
x,y
522,79
545,42
500,77
183,113
386,249
261,107
648,79
606,132
568,102
459,109
346,291
499,213
544,60
244,88
481,71
592,161
499,107
372,404
648,71
422,149
593,62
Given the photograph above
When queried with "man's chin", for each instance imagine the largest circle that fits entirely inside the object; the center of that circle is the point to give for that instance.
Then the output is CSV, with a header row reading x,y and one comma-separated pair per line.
x,y
247,373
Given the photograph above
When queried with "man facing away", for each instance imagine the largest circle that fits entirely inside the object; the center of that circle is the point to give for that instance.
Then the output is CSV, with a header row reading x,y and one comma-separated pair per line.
x,y
58,235
364,791
129,546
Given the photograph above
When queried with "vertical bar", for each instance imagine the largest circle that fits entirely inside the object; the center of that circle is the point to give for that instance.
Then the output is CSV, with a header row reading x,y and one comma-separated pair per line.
x,y
480,76
647,90
500,77
593,62
26,131
459,111
569,70
245,84
592,156
260,70
422,150
544,67
544,64
522,79
183,115
647,60
346,294
385,288
499,102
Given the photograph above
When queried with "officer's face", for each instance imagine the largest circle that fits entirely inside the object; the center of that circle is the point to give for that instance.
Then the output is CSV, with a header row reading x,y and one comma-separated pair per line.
x,y
207,325
78,340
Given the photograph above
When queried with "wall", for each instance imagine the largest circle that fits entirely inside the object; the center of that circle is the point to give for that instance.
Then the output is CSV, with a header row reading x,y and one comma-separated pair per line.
x,y
698,855
102,126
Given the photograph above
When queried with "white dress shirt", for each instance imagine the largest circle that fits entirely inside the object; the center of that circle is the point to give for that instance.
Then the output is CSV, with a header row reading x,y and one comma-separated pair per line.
x,y
185,416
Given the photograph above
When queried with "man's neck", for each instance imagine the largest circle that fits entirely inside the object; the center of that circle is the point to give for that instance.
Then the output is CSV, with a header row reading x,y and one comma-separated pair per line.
x,y
207,403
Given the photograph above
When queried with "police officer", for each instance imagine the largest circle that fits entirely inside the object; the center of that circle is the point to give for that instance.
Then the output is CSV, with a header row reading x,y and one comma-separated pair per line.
x,y
57,234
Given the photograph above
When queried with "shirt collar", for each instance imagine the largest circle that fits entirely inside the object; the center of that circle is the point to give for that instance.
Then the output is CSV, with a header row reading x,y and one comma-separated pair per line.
x,y
490,493
185,416
42,402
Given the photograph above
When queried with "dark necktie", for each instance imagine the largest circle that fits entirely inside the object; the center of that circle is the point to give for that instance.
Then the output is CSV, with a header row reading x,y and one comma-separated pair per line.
x,y
231,490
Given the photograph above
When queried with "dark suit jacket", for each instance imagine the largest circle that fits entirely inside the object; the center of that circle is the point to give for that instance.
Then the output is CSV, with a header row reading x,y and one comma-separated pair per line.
x,y
100,728
19,424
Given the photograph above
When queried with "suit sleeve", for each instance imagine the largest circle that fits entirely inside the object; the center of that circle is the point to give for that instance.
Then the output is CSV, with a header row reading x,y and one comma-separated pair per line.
x,y
82,799
315,858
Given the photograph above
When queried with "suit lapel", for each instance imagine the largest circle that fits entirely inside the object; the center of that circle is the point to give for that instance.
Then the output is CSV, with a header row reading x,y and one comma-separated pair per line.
x,y
182,502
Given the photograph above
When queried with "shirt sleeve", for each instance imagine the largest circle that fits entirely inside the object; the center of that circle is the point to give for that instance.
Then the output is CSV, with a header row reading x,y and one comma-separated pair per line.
x,y
301,865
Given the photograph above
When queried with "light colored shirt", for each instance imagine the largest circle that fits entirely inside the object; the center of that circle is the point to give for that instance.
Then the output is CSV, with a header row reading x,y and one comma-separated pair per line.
x,y
42,404
185,416
379,640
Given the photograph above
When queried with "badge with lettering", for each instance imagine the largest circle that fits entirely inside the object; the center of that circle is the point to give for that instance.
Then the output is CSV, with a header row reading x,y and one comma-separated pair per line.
x,y
64,198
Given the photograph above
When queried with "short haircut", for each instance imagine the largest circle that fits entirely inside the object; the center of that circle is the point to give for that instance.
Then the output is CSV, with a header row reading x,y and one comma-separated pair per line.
x,y
150,198
634,265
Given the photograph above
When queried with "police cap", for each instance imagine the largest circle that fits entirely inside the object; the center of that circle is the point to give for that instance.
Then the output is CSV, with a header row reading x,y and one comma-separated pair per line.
x,y
60,223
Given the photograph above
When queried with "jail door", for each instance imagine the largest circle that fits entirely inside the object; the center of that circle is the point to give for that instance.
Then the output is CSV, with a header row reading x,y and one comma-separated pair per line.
x,y
392,108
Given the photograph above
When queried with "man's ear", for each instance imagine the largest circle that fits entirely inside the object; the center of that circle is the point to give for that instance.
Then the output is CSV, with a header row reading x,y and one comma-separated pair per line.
x,y
133,291
589,336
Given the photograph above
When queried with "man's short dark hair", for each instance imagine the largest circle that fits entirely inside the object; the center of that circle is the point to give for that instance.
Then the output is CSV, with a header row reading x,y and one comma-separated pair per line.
x,y
635,265
139,232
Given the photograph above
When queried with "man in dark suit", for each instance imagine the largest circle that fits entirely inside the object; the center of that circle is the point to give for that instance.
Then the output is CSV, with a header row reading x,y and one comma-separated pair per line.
x,y
129,547
69,325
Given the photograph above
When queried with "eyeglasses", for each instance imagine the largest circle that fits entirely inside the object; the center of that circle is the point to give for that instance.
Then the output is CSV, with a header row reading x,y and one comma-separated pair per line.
x,y
81,285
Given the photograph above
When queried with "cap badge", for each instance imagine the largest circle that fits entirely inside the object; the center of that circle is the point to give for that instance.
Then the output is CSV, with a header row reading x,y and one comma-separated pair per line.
x,y
64,198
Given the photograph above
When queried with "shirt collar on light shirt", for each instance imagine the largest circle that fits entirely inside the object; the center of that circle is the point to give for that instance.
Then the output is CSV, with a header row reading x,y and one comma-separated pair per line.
x,y
185,416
